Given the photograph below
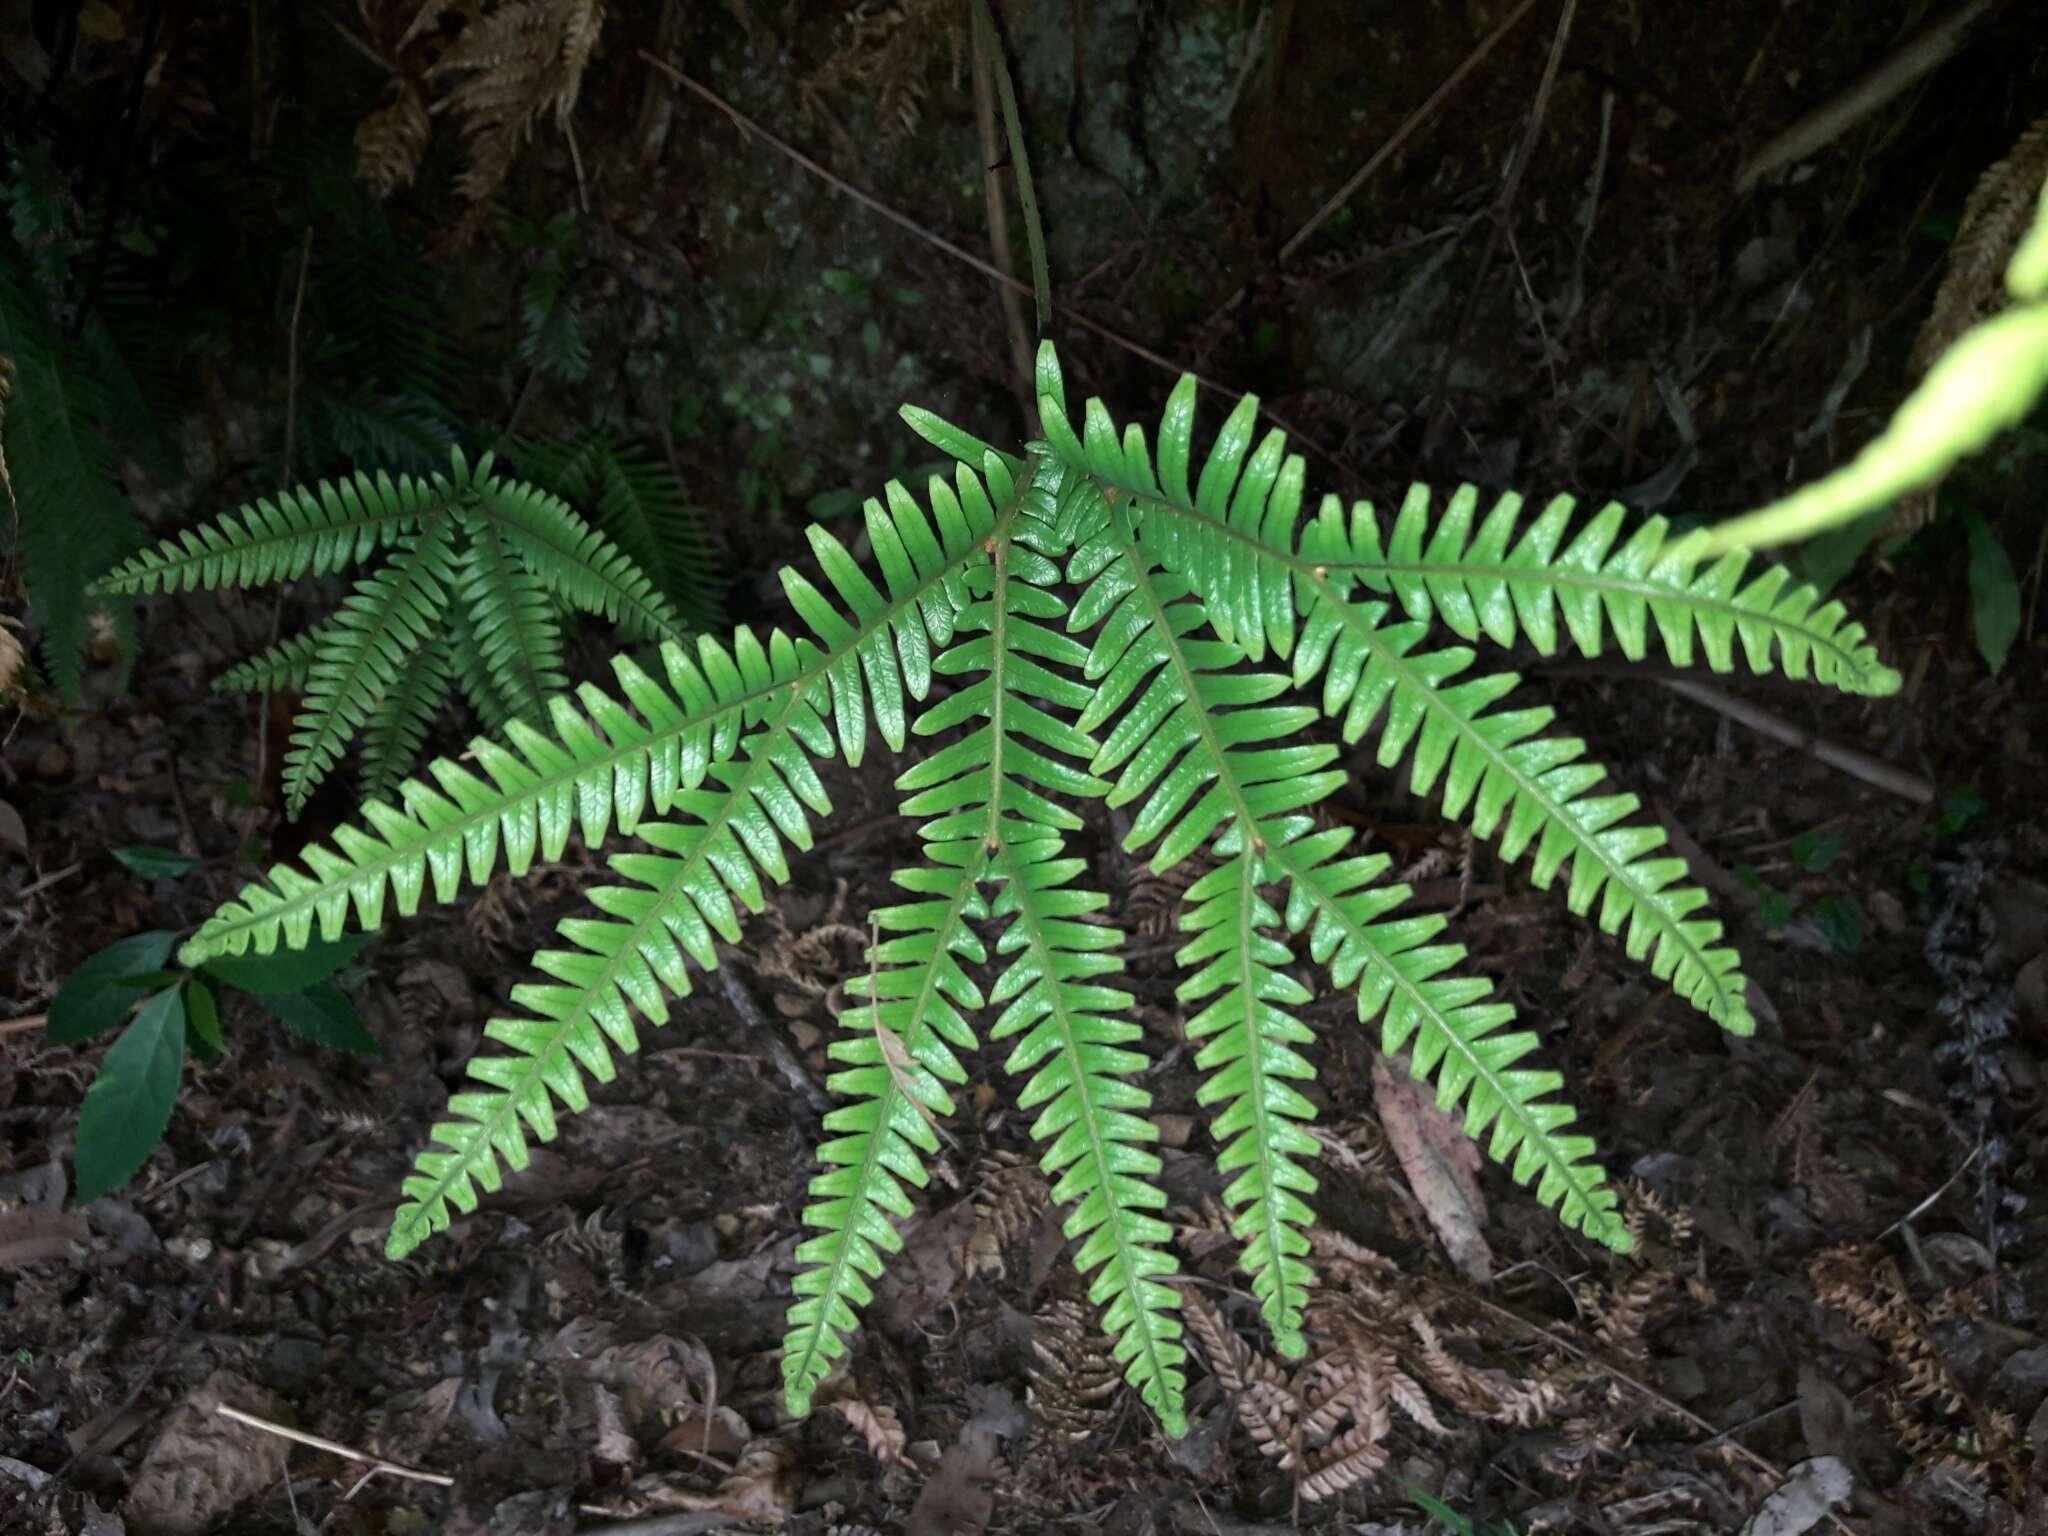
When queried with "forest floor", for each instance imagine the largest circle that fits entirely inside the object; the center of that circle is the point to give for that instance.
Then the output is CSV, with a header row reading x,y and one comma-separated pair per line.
x,y
1846,1244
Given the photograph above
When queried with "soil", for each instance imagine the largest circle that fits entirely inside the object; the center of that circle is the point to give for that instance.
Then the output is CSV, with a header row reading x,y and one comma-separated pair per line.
x,y
1845,1252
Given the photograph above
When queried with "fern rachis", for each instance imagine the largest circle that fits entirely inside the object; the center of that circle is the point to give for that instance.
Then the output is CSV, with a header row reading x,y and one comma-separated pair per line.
x,y
1038,601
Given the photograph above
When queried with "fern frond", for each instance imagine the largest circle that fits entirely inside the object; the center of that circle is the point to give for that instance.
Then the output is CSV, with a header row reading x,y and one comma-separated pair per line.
x,y
1075,1035
683,898
364,652
283,665
391,741
1212,762
64,505
512,625
606,761
1399,974
1533,790
995,778
308,531
639,504
575,562
472,678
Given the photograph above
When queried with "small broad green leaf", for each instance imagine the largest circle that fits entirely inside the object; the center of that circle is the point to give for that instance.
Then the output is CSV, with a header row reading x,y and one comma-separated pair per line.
x,y
203,1014
1815,851
1841,919
325,1016
287,970
1994,592
129,1103
156,863
1773,907
103,991
1961,811
1828,557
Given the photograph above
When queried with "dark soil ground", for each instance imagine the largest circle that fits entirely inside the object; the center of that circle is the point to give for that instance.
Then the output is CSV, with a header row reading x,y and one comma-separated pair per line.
x,y
1845,1250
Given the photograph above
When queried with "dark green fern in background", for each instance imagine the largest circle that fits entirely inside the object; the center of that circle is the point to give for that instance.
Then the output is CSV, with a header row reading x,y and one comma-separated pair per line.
x,y
1108,617
481,571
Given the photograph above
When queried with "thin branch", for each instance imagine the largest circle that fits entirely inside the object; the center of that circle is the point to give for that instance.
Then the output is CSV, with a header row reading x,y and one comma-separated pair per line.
x,y
1839,113
1402,134
1861,765
299,1436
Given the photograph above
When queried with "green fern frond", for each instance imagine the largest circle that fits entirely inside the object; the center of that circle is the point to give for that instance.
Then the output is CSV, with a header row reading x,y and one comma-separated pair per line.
x,y
512,625
286,664
1214,763
607,762
308,531
471,676
576,562
394,735
363,656
1076,1031
65,510
1477,585
684,898
1400,978
993,796
1494,766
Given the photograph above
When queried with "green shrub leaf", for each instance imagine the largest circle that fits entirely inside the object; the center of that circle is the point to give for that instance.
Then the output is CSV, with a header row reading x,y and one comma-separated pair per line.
x,y
324,1015
129,1103
103,991
287,970
1994,592
155,863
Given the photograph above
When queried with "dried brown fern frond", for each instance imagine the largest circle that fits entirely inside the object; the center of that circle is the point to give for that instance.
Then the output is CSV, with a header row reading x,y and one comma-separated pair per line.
x,y
1996,213
524,58
1010,1194
1327,1421
391,141
1074,1378
886,55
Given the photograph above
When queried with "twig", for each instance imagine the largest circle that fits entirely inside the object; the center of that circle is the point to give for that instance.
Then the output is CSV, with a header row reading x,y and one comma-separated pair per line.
x,y
999,232
757,1024
24,1024
318,1443
1503,212
1841,112
1857,764
1400,136
910,226
291,376
49,880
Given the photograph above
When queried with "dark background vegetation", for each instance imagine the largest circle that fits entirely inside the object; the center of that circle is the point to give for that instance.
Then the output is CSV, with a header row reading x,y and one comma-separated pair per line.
x,y
1624,325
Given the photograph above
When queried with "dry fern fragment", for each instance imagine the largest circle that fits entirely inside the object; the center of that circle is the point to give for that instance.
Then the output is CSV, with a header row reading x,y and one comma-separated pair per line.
x,y
1074,1378
391,141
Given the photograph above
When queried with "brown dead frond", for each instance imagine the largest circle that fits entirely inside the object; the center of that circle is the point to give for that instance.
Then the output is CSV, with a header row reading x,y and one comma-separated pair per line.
x,y
1834,1197
887,54
1010,1194
503,67
1074,1378
1931,1411
1327,1421
391,141
1995,215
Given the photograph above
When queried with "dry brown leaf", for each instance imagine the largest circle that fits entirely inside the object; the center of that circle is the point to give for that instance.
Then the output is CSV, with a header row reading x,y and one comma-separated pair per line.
x,y
38,1234
878,1426
1442,1165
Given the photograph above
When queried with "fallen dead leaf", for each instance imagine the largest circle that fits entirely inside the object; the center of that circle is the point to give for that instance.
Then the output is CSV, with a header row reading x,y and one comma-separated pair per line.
x,y
879,1426
36,1234
203,1467
1803,1500
1442,1165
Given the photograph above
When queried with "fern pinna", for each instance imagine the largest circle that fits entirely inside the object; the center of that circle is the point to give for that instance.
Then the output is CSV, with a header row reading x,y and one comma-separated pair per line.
x,y
1098,618
481,570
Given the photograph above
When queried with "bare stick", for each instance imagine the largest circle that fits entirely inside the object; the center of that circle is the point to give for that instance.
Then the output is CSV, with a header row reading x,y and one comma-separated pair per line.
x,y
1402,134
1861,765
24,1024
375,1463
1838,114
999,228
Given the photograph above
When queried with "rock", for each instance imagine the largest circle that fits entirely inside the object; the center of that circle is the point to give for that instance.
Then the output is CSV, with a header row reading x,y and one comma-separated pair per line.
x,y
202,1466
